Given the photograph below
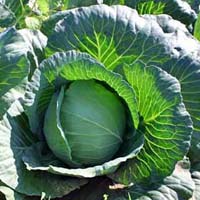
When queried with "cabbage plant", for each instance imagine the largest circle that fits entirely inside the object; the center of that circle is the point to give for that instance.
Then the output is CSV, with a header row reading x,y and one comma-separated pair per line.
x,y
107,108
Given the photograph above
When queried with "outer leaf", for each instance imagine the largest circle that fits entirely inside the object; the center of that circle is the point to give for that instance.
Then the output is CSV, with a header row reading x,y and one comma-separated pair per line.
x,y
185,66
37,98
156,40
35,160
107,38
178,186
48,25
13,59
36,43
189,79
15,138
178,9
17,50
67,66
166,125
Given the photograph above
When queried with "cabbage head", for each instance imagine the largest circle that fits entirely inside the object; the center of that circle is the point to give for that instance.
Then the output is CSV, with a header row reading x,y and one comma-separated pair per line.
x,y
92,123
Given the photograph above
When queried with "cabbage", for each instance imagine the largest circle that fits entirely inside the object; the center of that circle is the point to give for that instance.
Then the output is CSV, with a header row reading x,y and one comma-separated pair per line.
x,y
107,106
92,121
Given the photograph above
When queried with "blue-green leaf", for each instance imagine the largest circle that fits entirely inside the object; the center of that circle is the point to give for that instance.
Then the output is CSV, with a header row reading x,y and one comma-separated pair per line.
x,y
178,9
20,52
15,138
166,125
178,186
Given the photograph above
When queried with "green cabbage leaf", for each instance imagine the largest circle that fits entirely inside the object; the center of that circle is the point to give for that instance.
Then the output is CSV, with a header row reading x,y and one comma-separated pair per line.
x,y
178,9
16,137
21,52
